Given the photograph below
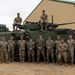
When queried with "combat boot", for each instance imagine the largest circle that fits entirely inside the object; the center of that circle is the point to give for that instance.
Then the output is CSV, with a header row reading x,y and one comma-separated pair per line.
x,y
47,62
29,61
33,62
20,61
37,61
72,64
0,62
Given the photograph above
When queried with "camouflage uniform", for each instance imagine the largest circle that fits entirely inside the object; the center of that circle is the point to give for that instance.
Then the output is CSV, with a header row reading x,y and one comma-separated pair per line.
x,y
71,44
17,21
40,43
57,42
44,19
1,56
49,46
62,51
30,46
11,49
5,51
21,44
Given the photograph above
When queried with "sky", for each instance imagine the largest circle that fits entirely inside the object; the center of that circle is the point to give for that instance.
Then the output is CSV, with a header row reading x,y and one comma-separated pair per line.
x,y
10,8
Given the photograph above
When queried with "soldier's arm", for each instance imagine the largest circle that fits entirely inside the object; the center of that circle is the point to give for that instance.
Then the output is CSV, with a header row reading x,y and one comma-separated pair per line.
x,y
20,20
74,42
59,49
43,43
52,44
66,47
46,17
25,43
37,43
28,46
14,43
8,46
15,20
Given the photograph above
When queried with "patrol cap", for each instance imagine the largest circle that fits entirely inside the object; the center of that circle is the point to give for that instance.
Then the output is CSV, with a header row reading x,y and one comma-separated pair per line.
x,y
43,10
18,13
21,36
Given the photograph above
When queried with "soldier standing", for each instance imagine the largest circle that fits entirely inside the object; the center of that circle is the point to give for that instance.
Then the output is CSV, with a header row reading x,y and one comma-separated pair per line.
x,y
40,43
57,42
49,46
43,19
5,49
1,52
21,45
30,46
17,21
12,44
71,44
62,51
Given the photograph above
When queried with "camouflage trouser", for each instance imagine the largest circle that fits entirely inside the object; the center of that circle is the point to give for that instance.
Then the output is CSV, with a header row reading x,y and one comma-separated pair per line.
x,y
31,54
42,24
21,55
3,56
11,55
56,55
71,56
64,54
52,55
41,52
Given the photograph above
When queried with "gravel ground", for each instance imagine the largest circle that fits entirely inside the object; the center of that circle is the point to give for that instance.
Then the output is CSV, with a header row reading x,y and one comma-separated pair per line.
x,y
35,69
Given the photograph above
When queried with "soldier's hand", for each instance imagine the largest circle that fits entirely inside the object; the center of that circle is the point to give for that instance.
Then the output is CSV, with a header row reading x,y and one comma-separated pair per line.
x,y
39,47
48,47
30,48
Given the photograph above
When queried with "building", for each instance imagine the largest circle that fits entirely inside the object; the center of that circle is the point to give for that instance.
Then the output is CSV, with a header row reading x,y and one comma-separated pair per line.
x,y
63,12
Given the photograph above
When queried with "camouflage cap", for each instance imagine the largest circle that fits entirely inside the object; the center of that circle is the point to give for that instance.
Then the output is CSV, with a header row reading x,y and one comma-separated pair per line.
x,y
43,10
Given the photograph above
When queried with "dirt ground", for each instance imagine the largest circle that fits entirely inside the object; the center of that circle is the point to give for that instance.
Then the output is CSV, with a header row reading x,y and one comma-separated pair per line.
x,y
35,69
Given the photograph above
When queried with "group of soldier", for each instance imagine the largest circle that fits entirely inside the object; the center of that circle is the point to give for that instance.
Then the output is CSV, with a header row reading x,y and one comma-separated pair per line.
x,y
62,49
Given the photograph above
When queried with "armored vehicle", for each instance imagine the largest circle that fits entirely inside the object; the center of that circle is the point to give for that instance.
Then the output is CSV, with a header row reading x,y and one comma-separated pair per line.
x,y
33,29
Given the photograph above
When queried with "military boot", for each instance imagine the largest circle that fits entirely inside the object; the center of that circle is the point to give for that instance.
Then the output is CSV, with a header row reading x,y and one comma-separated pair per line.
x,y
37,61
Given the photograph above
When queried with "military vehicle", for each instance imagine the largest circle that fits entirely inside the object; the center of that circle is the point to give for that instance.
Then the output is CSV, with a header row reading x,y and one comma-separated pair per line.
x,y
33,29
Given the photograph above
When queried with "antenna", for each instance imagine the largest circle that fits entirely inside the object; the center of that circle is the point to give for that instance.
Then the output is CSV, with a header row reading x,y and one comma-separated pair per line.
x,y
52,19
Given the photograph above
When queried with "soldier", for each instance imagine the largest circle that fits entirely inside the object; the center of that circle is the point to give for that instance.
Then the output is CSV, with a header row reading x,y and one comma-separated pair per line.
x,y
30,46
21,45
49,46
1,52
71,44
62,52
12,44
17,21
40,43
5,50
57,42
43,19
